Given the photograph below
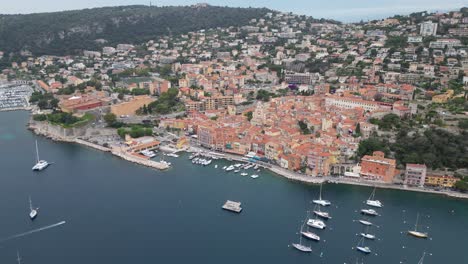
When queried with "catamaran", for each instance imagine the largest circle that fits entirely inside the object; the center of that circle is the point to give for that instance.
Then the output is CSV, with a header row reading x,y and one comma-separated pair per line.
x,y
320,201
33,211
40,164
364,249
316,223
371,212
372,202
417,233
299,245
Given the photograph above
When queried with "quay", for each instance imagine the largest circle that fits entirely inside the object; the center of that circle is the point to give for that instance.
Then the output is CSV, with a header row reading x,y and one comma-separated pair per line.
x,y
232,206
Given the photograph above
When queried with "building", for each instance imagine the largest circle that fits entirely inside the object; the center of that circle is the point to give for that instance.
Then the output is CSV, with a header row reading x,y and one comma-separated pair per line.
x,y
445,43
378,168
415,174
428,29
298,78
318,163
351,103
444,181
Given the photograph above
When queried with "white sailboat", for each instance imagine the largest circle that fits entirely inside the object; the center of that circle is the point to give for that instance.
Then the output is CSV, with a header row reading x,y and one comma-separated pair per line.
x,y
371,212
417,233
372,202
40,164
33,211
365,222
299,246
316,223
364,249
367,235
321,201
307,233
324,215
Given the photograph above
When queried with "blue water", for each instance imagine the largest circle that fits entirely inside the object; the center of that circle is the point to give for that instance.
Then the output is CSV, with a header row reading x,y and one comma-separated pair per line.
x,y
118,212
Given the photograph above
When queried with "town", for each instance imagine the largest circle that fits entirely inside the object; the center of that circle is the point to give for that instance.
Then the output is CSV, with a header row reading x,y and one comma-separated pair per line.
x,y
382,102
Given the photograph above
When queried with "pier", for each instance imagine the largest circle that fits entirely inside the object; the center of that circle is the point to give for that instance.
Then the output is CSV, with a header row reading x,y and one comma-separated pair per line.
x,y
232,206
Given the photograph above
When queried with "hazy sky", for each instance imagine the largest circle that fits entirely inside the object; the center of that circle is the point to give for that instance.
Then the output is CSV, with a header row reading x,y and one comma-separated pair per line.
x,y
344,10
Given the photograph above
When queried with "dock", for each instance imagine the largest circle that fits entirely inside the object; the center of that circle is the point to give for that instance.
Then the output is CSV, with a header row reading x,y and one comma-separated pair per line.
x,y
232,206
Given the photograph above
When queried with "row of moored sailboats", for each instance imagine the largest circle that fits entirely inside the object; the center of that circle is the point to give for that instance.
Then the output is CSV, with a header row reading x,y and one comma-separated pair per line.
x,y
318,223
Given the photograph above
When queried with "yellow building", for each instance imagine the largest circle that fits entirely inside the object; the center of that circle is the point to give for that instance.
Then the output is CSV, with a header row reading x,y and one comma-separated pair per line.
x,y
130,107
442,98
440,181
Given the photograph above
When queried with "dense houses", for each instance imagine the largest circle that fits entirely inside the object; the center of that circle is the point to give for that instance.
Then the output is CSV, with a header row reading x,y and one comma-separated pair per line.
x,y
295,91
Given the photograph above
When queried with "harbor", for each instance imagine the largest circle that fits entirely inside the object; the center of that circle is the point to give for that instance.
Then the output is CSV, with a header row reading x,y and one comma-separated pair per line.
x,y
98,194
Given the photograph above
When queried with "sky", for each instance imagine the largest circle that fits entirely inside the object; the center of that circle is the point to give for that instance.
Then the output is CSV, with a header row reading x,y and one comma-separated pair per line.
x,y
343,10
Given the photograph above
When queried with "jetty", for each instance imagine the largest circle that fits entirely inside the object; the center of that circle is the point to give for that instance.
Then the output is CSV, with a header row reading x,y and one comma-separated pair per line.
x,y
232,206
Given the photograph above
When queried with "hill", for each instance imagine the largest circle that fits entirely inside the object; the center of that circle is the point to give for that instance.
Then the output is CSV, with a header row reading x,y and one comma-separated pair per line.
x,y
61,33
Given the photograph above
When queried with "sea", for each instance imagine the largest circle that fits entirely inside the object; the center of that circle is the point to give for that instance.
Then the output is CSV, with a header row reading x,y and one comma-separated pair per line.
x,y
118,212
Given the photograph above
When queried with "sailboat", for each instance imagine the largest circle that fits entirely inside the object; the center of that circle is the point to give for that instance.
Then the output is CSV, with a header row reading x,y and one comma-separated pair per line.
x,y
367,235
299,245
307,233
325,215
417,233
370,212
40,164
365,222
320,201
372,202
33,211
364,249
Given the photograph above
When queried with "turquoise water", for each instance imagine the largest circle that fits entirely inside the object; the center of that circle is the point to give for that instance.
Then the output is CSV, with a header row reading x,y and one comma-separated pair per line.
x,y
118,212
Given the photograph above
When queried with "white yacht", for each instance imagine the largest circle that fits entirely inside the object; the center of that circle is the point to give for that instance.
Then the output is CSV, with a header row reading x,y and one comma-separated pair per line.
x,y
244,174
316,223
216,166
310,235
372,202
320,201
364,222
166,162
362,248
230,168
172,155
224,168
254,176
417,233
33,211
40,164
236,171
369,212
148,153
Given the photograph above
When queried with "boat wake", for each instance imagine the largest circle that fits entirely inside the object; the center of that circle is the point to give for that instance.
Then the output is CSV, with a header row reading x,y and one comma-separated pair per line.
x,y
33,231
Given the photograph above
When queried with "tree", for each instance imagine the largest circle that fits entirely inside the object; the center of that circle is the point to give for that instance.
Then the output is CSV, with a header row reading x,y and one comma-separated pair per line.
x,y
120,96
110,119
357,132
249,115
43,104
54,103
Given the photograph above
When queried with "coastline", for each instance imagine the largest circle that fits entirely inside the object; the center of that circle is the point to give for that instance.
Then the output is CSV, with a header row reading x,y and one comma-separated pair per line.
x,y
290,175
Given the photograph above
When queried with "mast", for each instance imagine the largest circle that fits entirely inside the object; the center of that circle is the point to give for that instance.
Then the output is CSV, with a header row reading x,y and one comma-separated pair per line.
x,y
416,225
37,152
18,257
30,203
372,195
422,258
320,195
